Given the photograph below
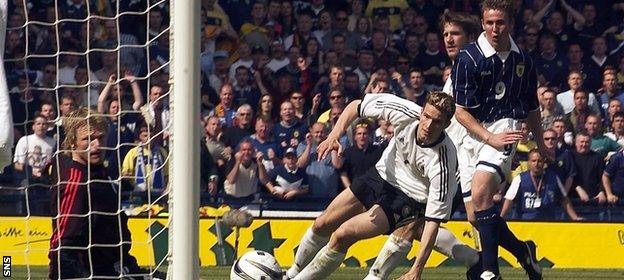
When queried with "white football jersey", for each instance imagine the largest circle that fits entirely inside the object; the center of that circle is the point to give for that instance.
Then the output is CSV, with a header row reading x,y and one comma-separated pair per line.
x,y
458,133
424,173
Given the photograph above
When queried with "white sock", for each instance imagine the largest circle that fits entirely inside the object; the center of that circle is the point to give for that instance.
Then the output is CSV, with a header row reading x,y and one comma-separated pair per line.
x,y
391,255
323,264
310,244
447,244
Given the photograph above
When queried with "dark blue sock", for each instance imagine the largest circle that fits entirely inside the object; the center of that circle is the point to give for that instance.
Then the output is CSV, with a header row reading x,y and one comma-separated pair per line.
x,y
487,225
509,241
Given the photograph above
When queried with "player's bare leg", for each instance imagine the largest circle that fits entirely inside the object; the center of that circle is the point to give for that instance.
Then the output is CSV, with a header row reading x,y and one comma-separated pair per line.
x,y
399,244
343,207
365,225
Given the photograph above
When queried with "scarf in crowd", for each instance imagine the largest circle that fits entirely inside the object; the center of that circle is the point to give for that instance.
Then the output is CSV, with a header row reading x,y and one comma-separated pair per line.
x,y
148,169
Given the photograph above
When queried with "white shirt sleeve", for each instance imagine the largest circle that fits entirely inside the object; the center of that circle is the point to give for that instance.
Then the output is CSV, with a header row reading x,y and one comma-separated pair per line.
x,y
512,191
442,184
21,150
389,107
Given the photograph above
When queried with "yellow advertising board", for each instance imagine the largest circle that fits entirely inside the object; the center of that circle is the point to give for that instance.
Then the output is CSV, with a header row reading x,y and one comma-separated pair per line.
x,y
560,245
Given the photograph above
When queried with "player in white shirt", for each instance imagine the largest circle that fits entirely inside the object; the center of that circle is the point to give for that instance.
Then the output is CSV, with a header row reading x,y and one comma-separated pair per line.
x,y
414,181
458,29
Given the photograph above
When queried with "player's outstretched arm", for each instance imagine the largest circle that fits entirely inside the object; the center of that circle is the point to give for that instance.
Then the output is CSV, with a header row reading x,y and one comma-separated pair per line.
x,y
349,114
497,141
426,245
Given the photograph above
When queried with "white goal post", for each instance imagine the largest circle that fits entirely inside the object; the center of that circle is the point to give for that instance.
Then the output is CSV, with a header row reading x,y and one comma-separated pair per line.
x,y
184,219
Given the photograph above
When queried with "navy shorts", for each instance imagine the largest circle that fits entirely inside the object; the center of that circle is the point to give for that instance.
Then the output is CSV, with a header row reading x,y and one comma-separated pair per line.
x,y
371,189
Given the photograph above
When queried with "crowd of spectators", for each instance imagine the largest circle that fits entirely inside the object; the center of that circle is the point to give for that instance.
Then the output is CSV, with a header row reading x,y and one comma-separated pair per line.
x,y
276,75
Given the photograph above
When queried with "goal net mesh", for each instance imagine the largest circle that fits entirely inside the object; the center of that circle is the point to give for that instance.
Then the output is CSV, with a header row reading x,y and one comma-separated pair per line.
x,y
110,56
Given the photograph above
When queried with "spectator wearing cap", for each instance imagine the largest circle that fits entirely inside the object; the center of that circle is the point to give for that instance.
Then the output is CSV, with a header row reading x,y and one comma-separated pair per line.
x,y
225,109
617,128
590,166
244,59
600,143
288,181
243,128
278,56
361,155
219,75
289,131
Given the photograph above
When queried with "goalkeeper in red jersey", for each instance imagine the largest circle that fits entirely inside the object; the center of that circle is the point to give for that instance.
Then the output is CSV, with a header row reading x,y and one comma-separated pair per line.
x,y
90,235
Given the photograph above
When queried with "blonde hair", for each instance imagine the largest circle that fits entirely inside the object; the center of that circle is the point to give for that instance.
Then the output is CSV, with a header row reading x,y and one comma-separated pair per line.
x,y
442,101
78,119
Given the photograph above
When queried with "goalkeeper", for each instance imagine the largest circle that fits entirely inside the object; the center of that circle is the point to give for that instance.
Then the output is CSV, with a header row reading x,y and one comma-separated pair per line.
x,y
85,207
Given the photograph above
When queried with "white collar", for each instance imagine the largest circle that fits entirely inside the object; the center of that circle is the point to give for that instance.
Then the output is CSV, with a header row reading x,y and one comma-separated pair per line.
x,y
290,171
487,48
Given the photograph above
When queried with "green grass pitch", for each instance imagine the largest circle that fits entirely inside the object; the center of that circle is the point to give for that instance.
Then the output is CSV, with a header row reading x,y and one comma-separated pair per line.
x,y
451,273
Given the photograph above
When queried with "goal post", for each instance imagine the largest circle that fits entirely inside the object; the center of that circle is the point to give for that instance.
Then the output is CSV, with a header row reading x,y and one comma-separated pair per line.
x,y
6,133
184,216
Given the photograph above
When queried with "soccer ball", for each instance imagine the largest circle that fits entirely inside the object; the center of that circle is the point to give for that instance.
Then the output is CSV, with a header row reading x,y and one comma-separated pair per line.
x,y
256,265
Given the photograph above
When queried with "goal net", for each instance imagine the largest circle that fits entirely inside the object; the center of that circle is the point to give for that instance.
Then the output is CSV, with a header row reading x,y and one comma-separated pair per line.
x,y
60,57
